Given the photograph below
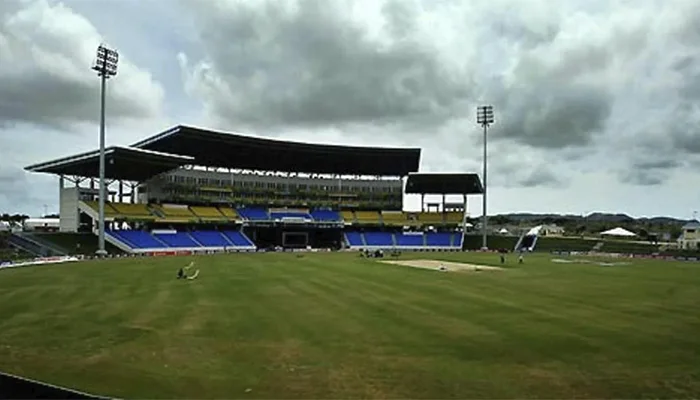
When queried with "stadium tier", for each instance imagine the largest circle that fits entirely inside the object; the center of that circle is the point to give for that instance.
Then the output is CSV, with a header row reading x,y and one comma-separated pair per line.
x,y
404,240
191,188
367,217
209,213
254,214
326,216
137,241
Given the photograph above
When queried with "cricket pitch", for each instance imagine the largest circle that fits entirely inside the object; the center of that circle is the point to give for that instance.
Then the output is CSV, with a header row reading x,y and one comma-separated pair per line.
x,y
449,265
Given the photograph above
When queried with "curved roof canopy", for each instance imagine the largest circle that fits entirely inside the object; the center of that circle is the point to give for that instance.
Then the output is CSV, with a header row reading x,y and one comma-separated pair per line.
x,y
120,163
226,150
444,184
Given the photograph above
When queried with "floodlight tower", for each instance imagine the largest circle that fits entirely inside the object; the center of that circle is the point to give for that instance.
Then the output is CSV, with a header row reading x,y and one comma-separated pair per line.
x,y
106,67
484,117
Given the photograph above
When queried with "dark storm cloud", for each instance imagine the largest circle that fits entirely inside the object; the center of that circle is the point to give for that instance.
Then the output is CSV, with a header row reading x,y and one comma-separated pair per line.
x,y
541,177
46,52
652,170
554,119
314,68
52,101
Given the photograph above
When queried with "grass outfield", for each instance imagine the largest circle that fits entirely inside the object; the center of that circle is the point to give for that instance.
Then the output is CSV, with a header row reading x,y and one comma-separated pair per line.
x,y
339,326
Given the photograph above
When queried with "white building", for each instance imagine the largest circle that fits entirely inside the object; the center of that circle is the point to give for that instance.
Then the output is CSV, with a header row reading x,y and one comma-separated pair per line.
x,y
690,236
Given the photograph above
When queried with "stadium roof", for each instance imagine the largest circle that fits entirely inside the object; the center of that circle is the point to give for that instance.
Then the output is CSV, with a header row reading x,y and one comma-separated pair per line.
x,y
226,150
120,163
444,184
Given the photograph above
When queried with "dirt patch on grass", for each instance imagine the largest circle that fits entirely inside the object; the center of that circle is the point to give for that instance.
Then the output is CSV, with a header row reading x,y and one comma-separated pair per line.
x,y
443,265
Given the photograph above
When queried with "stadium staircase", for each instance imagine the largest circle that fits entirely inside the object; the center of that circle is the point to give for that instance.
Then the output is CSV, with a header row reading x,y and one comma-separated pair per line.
x,y
29,243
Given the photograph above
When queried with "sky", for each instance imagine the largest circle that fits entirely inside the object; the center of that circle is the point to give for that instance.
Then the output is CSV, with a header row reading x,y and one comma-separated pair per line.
x,y
597,102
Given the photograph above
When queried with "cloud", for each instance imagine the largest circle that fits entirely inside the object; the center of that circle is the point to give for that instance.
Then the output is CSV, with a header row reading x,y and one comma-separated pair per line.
x,y
312,64
46,51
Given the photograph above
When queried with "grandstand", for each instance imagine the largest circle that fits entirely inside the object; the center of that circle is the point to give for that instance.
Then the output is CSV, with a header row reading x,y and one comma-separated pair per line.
x,y
194,190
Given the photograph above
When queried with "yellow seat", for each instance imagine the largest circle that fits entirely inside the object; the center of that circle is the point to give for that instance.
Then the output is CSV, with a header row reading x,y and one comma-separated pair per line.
x,y
228,212
454,217
430,218
134,211
109,211
394,218
208,213
348,216
367,216
175,211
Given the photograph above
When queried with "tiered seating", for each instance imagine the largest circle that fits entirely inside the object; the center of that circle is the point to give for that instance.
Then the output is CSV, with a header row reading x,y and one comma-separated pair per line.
x,y
454,217
143,241
290,214
326,216
354,239
348,216
430,218
137,239
394,218
411,241
176,213
179,239
109,211
407,239
208,213
254,214
238,239
210,238
229,212
441,239
379,239
367,217
134,211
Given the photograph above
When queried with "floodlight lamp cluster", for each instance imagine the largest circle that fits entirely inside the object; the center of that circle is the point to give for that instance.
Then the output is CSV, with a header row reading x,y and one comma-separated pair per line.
x,y
484,115
106,62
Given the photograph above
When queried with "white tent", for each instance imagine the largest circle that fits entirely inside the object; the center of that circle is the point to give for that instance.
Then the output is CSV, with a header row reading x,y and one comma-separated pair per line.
x,y
617,232
503,231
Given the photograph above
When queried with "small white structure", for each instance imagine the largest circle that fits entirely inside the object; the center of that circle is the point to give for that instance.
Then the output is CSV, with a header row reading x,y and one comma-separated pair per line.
x,y
551,230
690,237
5,226
503,231
618,232
41,224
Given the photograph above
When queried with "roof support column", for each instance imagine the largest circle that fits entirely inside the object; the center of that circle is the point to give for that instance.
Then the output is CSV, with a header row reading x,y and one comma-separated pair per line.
x,y
121,191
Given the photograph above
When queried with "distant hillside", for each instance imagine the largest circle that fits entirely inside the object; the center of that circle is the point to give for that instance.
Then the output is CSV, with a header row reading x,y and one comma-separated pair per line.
x,y
594,217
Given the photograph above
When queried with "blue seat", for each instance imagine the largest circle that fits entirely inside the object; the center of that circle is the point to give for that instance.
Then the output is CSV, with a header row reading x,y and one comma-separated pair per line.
x,y
288,214
378,239
354,239
325,215
253,213
178,239
210,238
137,239
413,240
238,239
442,239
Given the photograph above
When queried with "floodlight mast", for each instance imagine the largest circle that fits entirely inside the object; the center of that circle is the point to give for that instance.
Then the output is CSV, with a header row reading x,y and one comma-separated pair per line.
x,y
106,67
484,117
